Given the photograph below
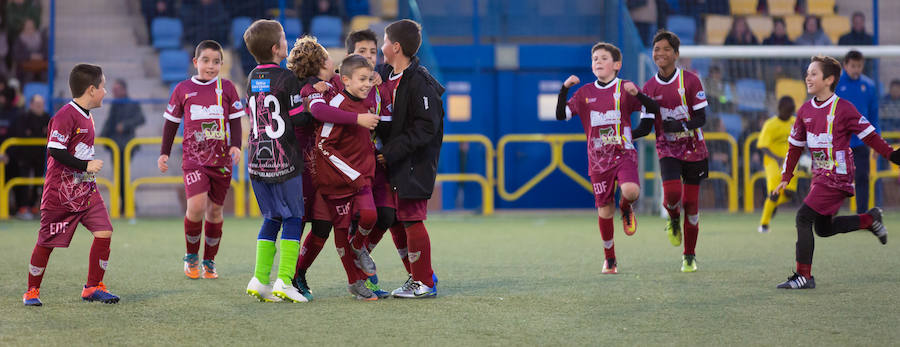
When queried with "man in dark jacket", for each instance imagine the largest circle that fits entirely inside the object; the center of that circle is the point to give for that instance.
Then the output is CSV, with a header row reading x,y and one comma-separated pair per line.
x,y
412,144
30,160
125,116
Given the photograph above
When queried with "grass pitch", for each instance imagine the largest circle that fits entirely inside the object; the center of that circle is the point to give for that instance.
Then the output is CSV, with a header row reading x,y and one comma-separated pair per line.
x,y
512,279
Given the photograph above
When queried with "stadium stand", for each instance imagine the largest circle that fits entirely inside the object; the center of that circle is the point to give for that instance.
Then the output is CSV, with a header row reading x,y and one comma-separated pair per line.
x,y
167,32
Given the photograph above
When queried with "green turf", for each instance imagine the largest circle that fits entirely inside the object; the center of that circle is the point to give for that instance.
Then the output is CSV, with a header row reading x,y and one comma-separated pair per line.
x,y
520,278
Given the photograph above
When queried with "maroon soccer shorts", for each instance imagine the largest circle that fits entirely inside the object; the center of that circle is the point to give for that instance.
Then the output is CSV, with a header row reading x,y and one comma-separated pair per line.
x,y
58,226
381,189
824,200
343,209
214,181
605,183
411,210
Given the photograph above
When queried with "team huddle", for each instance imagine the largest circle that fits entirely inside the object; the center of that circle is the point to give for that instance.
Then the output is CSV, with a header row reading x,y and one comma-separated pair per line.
x,y
355,151
673,103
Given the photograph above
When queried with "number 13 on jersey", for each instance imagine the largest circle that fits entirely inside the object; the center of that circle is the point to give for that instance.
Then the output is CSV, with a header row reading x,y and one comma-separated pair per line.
x,y
268,116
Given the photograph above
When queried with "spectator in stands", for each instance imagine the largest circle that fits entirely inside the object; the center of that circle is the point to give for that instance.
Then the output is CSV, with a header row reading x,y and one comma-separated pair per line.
x,y
861,91
8,116
890,107
779,35
30,54
17,11
205,20
4,50
157,8
812,33
857,35
740,34
311,8
645,14
29,160
125,116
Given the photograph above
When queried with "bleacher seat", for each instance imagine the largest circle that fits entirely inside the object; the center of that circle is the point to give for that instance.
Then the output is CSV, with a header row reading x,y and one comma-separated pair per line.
x,y
362,22
717,28
35,88
835,26
761,26
238,26
166,32
796,89
292,30
328,30
701,66
820,7
173,65
743,7
751,95
357,7
683,26
734,124
794,25
781,7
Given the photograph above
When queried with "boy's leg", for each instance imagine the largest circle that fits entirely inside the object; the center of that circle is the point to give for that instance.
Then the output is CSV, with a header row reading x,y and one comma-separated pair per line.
x,y
629,184
265,249
670,172
196,189
412,213
386,218
313,244
40,256
806,218
96,219
219,183
773,178
398,234
290,248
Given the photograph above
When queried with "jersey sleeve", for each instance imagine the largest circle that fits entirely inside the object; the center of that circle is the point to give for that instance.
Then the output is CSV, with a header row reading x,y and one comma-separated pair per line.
x,y
765,136
235,108
573,105
175,108
60,132
798,133
855,122
292,96
694,94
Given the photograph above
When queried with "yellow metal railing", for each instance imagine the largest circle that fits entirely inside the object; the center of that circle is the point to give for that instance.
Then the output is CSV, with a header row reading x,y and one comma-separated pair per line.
x,y
556,142
486,181
239,185
891,172
6,187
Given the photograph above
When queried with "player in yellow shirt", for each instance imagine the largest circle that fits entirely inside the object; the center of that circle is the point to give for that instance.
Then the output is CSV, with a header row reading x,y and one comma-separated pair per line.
x,y
773,143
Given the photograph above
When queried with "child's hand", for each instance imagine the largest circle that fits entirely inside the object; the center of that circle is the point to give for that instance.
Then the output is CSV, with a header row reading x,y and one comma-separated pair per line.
x,y
377,79
162,163
381,160
571,81
94,166
235,154
630,88
367,120
320,86
778,190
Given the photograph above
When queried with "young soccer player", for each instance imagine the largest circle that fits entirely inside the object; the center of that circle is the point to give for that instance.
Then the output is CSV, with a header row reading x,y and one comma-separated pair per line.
x,y
345,164
311,63
70,190
824,125
773,143
605,113
679,142
411,145
274,161
205,103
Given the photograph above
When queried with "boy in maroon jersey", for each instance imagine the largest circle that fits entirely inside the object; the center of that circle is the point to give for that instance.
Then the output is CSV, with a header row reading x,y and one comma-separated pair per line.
x,y
345,164
679,142
311,63
206,103
825,125
411,147
605,114
70,190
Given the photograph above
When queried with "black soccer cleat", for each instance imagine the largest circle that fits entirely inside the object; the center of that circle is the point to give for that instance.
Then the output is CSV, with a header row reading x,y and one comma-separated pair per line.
x,y
797,281
877,226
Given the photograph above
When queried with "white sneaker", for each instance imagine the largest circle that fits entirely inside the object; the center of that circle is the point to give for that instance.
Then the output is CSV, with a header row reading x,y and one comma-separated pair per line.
x,y
262,292
763,229
405,291
287,292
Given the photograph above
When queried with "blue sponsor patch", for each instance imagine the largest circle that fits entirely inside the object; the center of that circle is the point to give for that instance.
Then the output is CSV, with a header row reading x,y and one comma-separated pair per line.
x,y
257,86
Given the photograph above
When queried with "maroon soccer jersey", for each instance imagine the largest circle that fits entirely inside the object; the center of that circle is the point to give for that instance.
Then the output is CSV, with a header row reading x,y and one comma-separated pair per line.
x,y
206,107
825,129
605,113
345,154
678,99
306,135
66,188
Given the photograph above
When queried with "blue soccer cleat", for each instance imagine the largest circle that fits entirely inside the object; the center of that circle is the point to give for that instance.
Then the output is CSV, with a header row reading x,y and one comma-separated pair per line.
x,y
98,293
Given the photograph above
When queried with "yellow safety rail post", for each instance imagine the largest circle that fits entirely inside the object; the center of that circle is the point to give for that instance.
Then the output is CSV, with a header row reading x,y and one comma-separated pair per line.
x,y
556,142
891,172
486,181
5,187
750,178
239,185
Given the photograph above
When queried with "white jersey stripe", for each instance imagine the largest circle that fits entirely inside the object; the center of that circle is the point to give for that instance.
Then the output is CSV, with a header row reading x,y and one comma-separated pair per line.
x,y
345,169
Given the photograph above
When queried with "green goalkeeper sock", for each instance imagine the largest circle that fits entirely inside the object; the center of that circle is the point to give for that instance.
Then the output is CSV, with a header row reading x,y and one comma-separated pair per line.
x,y
265,255
287,265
